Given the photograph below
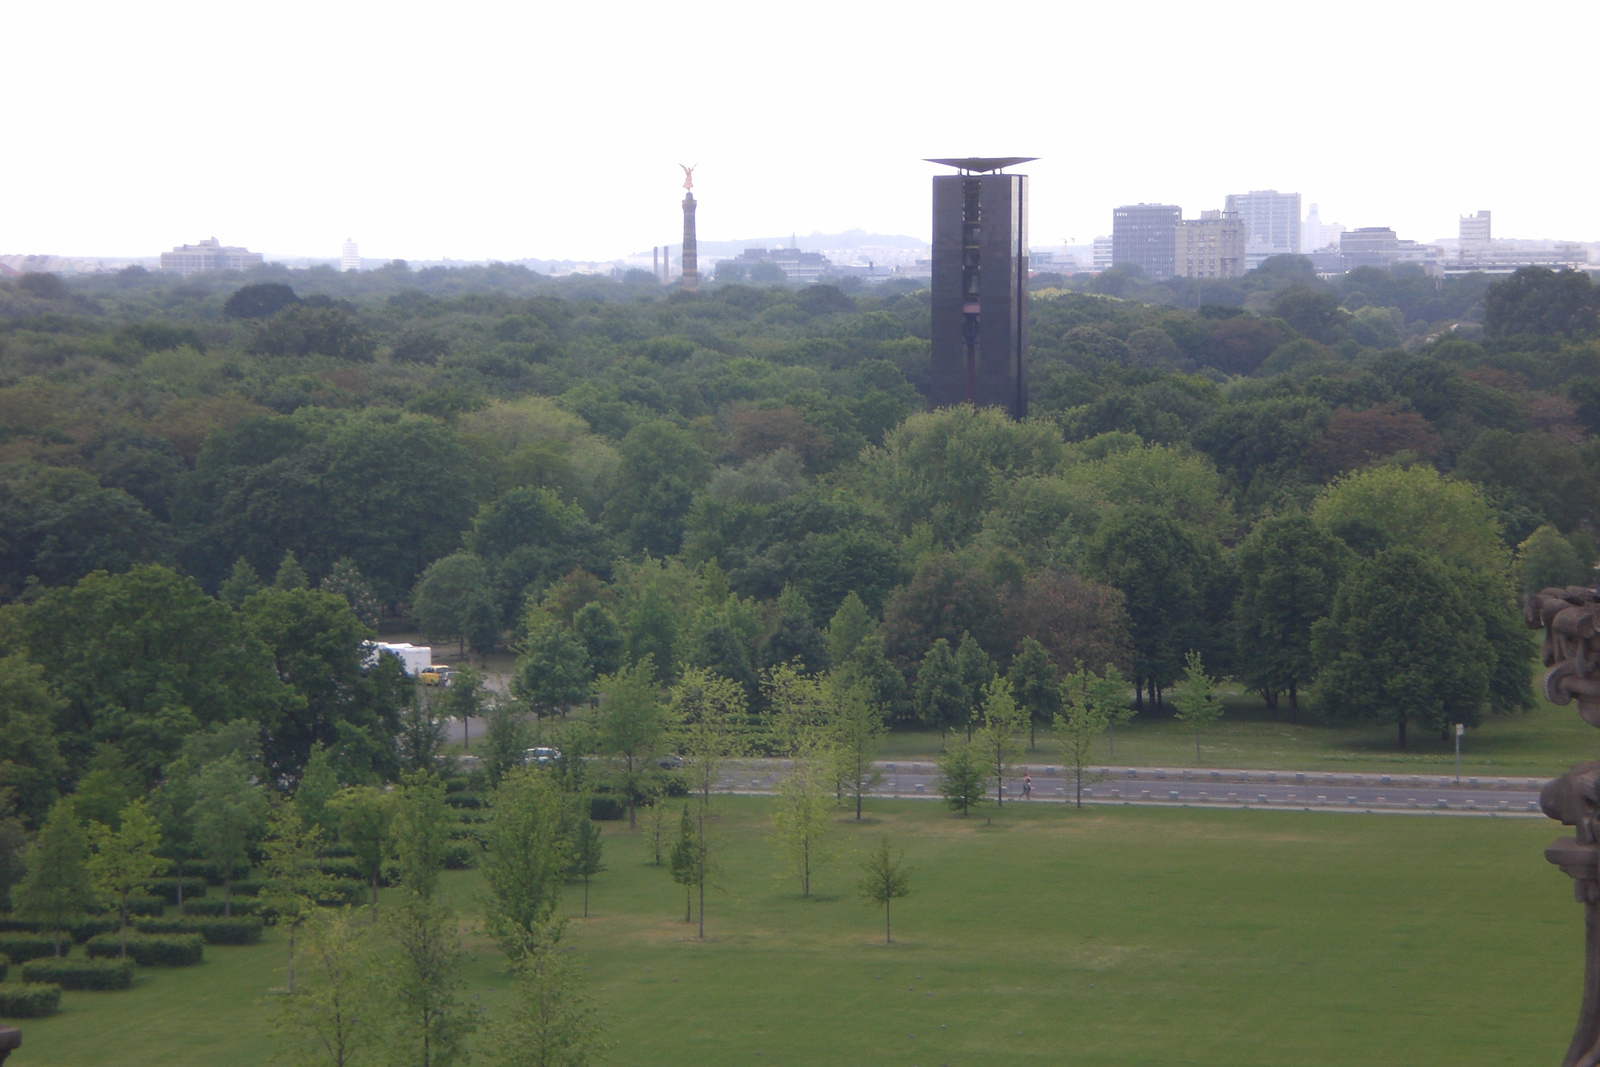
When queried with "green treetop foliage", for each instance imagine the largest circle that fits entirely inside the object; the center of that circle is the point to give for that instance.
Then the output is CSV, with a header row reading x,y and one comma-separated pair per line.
x,y
632,728
421,831
1195,697
57,889
365,818
553,672
1035,684
142,660
1547,559
230,814
1403,644
941,699
885,878
523,861
124,860
1418,508
1288,569
997,739
30,758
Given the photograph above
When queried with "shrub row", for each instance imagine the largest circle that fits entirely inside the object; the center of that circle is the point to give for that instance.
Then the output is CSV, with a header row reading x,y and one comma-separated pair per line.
x,y
81,975
207,871
151,950
349,869
24,1000
205,909
167,888
459,857
346,891
464,799
84,929
240,931
20,947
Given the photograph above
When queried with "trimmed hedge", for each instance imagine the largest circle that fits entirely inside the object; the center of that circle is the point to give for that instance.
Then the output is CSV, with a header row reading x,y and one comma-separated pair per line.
x,y
461,856
248,887
19,948
213,907
87,928
8,925
24,1000
151,950
81,975
239,931
5,968
464,799
167,888
606,808
346,891
210,872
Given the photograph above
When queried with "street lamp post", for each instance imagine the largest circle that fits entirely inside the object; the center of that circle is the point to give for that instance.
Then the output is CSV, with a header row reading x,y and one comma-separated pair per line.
x,y
1460,729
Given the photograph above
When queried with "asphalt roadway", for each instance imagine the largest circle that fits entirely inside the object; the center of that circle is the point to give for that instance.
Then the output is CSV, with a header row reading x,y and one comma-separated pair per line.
x,y
1203,787
1207,787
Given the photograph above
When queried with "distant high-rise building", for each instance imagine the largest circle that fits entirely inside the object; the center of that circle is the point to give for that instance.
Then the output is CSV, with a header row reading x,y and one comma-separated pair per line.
x,y
210,254
1311,231
1212,246
1475,231
1102,254
1378,246
350,258
980,285
1271,223
1142,235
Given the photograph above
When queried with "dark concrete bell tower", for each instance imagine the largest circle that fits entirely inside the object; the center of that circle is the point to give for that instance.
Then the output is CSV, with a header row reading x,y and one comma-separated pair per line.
x,y
980,285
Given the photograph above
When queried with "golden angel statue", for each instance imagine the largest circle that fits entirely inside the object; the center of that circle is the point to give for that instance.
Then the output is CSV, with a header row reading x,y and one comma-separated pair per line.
x,y
688,175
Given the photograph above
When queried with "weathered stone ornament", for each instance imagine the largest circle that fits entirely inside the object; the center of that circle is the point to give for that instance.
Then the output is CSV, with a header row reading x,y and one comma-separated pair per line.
x,y
1570,619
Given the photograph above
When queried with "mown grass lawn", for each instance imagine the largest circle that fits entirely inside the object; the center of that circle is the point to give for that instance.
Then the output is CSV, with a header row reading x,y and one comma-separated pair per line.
x,y
1106,936
1545,742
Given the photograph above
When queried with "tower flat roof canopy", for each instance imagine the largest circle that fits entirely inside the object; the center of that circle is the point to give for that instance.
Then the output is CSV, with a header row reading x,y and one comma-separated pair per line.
x,y
982,164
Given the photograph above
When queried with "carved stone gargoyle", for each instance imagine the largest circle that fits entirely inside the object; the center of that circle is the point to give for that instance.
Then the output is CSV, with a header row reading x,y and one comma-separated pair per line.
x,y
1570,619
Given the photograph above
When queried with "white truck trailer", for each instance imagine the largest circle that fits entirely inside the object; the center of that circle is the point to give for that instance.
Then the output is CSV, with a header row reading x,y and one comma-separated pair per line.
x,y
413,658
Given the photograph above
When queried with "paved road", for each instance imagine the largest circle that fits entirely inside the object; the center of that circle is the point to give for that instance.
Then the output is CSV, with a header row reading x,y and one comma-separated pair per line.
x,y
1206,787
1221,788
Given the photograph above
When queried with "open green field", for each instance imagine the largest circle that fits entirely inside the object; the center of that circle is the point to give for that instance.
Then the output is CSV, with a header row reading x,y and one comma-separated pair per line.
x,y
1106,936
1545,742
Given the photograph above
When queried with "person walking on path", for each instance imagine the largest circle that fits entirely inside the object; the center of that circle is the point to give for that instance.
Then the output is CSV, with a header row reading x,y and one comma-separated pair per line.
x,y
1027,787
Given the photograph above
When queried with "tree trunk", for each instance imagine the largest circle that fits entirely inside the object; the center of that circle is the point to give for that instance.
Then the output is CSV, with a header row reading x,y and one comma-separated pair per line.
x,y
465,738
586,896
1294,703
688,902
227,892
292,928
1031,727
180,887
1111,733
888,933
1402,735
122,913
631,823
1197,746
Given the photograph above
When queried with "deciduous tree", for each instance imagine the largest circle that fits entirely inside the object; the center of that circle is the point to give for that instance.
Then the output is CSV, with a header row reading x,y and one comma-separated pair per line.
x,y
885,878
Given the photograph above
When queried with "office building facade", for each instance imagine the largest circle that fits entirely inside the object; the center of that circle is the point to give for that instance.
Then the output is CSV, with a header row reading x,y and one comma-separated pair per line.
x,y
980,286
1142,235
208,255
1212,246
1271,223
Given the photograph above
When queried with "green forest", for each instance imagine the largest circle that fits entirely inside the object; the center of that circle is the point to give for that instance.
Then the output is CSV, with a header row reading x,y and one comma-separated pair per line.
x,y
215,488
700,526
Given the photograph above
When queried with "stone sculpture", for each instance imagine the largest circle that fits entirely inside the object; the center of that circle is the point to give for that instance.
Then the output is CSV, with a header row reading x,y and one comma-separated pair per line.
x,y
1570,619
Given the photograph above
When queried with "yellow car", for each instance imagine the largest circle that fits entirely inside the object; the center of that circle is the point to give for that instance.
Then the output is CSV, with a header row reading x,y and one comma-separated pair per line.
x,y
438,674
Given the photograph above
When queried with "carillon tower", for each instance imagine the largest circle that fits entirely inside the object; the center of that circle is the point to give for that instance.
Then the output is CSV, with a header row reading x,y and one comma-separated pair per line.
x,y
980,285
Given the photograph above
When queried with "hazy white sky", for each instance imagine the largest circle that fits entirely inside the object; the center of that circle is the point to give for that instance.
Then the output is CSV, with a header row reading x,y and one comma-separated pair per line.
x,y
489,129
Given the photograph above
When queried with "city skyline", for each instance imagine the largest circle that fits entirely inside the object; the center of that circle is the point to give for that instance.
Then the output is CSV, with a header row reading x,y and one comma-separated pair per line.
x,y
444,160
